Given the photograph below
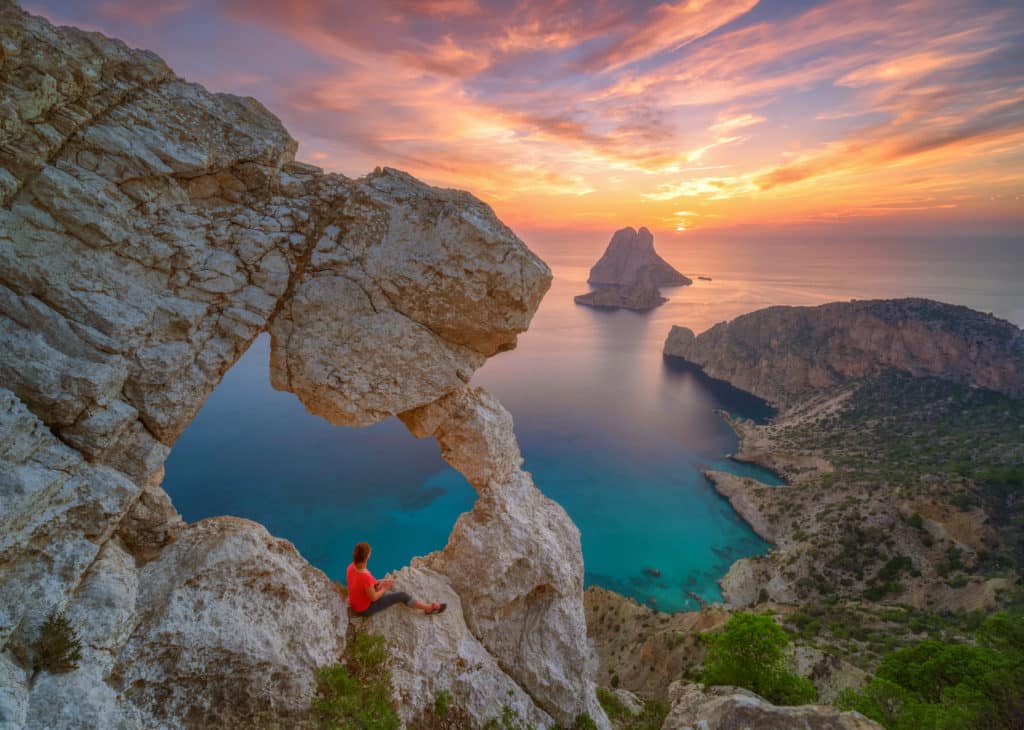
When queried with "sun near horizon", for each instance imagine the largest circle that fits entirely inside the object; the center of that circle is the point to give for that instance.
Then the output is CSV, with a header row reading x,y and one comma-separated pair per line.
x,y
681,116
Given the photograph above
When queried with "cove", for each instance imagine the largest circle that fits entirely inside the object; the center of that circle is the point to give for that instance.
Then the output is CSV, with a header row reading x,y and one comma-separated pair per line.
x,y
616,435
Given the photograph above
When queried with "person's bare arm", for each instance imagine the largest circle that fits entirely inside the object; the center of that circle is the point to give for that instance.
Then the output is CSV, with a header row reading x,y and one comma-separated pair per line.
x,y
379,589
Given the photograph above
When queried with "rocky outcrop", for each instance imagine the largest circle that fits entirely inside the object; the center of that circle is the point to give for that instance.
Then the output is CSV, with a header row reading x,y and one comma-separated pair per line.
x,y
639,295
628,254
515,559
732,708
782,353
149,231
437,653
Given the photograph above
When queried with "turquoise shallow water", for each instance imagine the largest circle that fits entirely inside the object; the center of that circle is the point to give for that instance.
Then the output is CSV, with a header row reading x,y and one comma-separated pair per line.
x,y
608,428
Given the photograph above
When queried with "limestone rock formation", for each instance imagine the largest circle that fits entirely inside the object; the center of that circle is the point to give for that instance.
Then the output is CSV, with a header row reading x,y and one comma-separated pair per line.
x,y
639,295
149,231
515,559
628,253
435,653
732,708
782,353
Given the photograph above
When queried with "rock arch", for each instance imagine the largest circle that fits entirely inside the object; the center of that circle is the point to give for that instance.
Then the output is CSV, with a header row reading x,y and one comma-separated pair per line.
x,y
149,231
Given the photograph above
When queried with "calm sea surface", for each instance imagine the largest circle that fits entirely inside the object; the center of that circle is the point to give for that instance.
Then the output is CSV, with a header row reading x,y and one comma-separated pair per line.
x,y
610,430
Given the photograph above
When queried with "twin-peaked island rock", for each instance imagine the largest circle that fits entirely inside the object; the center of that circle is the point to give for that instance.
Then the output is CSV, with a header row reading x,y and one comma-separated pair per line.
x,y
629,273
149,231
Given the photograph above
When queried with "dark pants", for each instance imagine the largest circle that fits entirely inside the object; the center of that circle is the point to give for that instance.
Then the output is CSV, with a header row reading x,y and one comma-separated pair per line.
x,y
387,601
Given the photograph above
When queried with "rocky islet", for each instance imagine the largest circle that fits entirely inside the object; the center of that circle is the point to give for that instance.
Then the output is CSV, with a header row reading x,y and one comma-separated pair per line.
x,y
629,273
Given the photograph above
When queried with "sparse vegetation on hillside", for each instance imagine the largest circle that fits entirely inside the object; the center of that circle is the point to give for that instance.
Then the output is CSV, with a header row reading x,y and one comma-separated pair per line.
x,y
910,456
907,431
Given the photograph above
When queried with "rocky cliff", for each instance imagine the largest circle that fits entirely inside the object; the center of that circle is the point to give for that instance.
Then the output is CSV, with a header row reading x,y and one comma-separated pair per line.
x,y
149,231
628,253
782,353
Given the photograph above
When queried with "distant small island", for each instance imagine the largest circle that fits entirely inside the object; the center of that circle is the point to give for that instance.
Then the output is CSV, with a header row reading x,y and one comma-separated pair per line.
x,y
629,273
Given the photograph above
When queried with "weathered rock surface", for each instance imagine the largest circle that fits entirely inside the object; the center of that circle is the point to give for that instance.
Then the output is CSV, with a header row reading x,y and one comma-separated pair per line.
x,y
435,653
515,559
640,295
149,231
732,708
628,254
782,353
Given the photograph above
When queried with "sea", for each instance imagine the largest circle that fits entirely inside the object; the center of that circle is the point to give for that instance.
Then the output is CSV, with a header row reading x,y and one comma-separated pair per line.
x,y
610,429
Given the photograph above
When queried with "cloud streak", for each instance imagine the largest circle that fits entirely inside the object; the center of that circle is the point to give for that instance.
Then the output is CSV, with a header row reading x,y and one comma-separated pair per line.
x,y
685,112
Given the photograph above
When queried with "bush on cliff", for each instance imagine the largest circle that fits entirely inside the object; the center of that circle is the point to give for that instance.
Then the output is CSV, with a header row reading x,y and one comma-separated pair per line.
x,y
749,653
938,685
58,649
357,693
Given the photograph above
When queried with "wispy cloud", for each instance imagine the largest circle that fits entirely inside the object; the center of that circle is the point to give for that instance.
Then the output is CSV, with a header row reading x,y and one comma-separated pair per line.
x,y
685,111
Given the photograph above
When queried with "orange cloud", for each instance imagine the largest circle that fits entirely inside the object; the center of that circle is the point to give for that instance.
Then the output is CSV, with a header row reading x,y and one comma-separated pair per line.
x,y
685,112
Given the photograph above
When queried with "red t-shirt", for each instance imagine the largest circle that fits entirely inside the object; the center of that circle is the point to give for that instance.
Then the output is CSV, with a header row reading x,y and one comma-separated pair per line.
x,y
357,583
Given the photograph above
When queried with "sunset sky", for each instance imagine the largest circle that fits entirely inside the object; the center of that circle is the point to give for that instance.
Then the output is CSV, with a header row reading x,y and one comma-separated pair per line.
x,y
594,115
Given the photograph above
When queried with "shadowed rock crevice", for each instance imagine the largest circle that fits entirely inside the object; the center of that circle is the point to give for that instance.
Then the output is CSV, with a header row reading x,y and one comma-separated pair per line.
x,y
142,250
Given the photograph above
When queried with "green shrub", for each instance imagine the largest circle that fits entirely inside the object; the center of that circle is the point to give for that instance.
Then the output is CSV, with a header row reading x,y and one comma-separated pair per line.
x,y
357,694
943,686
58,649
612,705
749,653
584,722
442,704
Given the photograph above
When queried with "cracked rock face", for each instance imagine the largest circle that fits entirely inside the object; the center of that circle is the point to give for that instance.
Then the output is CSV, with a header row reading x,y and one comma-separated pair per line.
x,y
149,231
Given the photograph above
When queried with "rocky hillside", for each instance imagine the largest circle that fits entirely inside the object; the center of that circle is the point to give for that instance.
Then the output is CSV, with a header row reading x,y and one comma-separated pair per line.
x,y
628,253
149,231
899,490
782,353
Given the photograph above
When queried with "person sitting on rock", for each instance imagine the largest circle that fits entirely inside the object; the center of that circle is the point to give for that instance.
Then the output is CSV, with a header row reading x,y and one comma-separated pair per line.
x,y
367,595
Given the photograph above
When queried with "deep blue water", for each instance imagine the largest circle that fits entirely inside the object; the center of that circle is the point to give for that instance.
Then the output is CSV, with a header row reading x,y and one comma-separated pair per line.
x,y
610,429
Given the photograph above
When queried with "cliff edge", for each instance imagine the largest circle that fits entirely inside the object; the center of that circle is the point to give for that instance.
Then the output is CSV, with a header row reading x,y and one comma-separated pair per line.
x,y
149,231
783,353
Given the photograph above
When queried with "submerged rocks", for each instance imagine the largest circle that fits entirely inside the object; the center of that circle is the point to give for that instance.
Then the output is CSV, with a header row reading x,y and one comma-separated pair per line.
x,y
149,231
782,353
629,273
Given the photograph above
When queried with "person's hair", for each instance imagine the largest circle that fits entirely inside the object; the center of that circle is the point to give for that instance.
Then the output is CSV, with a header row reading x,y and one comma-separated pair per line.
x,y
361,553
